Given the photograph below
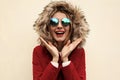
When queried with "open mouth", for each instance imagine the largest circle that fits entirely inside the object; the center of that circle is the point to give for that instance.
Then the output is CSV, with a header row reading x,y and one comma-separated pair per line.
x,y
59,33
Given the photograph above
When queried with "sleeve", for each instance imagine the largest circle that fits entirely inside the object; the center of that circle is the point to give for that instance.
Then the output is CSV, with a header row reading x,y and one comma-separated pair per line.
x,y
55,64
76,69
64,64
40,72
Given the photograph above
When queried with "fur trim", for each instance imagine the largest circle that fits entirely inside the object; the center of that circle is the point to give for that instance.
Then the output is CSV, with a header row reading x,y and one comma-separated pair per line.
x,y
79,27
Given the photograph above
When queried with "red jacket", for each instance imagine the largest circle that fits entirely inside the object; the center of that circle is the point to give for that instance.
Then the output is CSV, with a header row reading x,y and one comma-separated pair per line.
x,y
44,70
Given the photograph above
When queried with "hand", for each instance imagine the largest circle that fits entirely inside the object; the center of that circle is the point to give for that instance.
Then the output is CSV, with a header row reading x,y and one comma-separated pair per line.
x,y
68,48
52,49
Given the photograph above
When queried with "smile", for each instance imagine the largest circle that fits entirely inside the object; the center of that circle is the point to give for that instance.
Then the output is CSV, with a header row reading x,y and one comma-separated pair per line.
x,y
59,33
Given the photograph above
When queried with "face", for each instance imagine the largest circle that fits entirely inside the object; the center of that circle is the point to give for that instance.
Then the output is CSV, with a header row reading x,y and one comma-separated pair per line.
x,y
60,26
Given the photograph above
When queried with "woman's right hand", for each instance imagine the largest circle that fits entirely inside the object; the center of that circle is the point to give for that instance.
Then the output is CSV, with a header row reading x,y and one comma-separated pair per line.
x,y
52,49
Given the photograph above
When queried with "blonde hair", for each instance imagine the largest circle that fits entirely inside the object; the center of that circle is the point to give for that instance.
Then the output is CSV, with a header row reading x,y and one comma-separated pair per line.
x,y
79,27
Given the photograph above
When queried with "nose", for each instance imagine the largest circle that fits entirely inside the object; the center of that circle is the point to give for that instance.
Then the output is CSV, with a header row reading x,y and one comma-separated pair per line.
x,y
59,25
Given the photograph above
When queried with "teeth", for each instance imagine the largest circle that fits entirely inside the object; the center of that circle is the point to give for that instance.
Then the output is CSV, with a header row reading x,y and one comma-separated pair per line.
x,y
59,32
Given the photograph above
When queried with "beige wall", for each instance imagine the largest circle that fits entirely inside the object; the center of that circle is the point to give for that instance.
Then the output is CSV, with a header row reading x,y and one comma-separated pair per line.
x,y
17,38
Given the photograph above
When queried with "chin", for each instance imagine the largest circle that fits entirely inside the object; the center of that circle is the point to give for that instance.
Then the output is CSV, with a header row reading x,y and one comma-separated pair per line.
x,y
59,40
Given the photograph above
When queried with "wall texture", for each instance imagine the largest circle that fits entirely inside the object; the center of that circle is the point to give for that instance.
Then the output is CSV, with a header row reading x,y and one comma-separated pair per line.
x,y
17,38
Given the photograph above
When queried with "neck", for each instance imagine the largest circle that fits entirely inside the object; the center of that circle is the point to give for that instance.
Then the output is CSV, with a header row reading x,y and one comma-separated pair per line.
x,y
60,46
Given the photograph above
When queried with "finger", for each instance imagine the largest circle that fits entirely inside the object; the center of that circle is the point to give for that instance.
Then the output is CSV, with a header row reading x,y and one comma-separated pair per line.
x,y
79,40
68,42
43,41
76,42
50,43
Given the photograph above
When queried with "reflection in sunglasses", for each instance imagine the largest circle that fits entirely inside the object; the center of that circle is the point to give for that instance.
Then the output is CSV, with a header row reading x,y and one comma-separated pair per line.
x,y
55,21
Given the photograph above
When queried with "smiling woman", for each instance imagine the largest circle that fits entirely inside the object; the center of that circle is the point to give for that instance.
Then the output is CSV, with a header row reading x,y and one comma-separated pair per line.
x,y
79,26
62,30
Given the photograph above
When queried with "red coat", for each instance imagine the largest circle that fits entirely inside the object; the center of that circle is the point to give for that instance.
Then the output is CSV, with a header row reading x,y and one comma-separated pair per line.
x,y
44,70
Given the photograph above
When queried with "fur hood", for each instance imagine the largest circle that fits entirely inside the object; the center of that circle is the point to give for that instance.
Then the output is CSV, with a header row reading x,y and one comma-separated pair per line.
x,y
79,24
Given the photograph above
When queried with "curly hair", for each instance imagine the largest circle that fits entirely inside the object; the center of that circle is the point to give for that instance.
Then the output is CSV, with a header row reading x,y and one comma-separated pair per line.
x,y
79,27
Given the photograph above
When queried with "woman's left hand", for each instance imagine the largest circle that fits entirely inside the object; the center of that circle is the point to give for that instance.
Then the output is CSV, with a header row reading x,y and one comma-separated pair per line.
x,y
68,48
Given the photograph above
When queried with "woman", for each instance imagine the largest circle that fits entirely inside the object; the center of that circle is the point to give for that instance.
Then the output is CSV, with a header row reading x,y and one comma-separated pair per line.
x,y
62,30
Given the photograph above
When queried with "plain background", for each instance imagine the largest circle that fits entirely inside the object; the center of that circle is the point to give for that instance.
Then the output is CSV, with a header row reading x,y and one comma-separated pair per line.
x,y
17,38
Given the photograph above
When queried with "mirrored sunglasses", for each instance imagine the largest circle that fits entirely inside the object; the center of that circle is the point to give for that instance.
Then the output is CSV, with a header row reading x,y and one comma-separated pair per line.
x,y
55,21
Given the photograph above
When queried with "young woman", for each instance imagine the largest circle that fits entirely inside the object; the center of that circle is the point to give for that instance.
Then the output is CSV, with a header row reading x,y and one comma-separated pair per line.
x,y
62,31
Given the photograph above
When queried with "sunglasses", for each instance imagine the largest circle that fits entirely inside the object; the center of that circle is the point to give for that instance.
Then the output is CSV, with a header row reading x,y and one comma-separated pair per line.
x,y
55,21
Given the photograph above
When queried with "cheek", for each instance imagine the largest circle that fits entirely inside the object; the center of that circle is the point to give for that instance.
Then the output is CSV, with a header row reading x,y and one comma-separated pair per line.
x,y
68,30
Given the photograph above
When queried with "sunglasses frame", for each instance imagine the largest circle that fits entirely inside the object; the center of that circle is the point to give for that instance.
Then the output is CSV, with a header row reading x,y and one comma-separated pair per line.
x,y
55,21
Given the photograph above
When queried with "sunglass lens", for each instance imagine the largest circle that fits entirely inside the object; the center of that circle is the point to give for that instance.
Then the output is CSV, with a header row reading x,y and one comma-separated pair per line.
x,y
54,21
65,21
